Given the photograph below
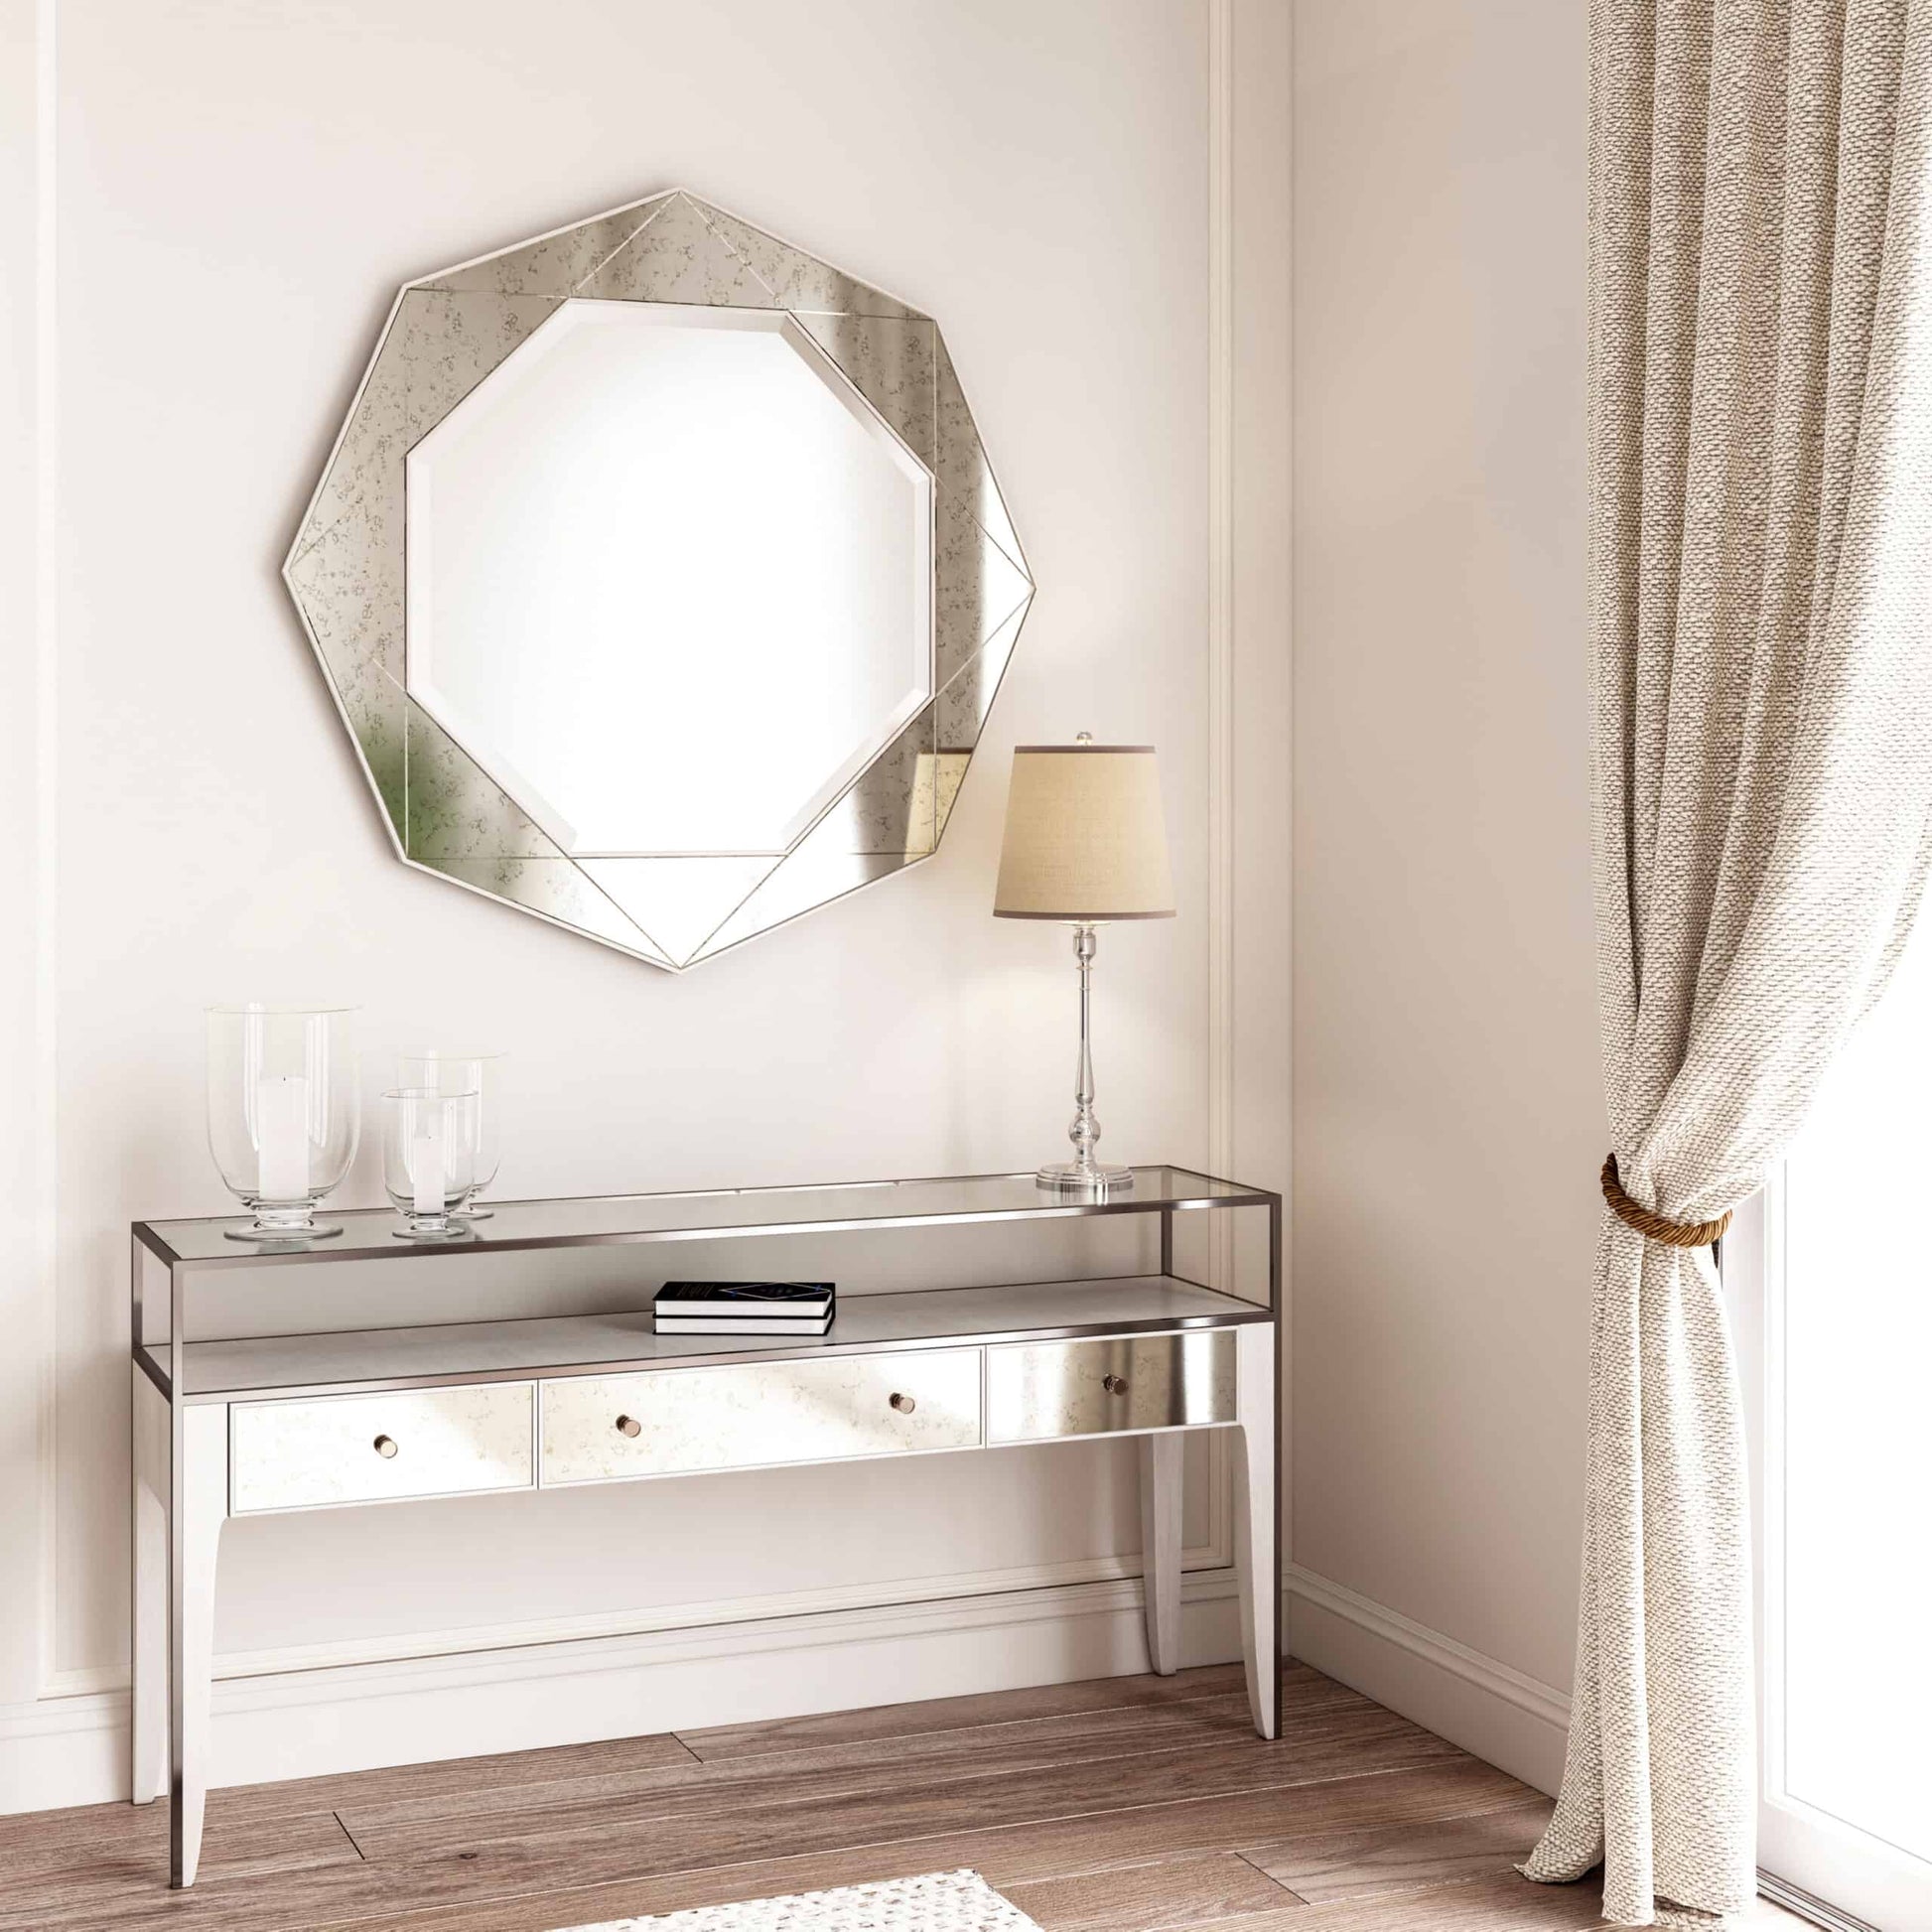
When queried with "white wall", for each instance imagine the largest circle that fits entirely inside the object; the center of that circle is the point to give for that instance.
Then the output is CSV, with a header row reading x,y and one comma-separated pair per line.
x,y
236,188
1448,1117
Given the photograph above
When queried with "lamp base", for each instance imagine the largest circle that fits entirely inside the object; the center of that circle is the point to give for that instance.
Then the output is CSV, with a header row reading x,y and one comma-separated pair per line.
x,y
1083,1177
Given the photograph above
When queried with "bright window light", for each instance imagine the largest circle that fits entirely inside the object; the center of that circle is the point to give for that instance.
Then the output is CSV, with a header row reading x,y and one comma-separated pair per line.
x,y
1855,1421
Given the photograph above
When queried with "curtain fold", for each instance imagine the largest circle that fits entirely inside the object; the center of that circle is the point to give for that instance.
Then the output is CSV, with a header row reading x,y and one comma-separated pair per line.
x,y
1760,463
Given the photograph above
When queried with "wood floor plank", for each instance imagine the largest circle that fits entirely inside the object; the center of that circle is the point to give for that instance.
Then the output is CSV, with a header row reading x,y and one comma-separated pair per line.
x,y
843,1769
1351,1736
948,1714
1150,1896
1121,1804
1006,1858
515,1885
50,1841
459,1779
67,1861
456,1779
1507,1903
1359,1865
699,1822
1492,1904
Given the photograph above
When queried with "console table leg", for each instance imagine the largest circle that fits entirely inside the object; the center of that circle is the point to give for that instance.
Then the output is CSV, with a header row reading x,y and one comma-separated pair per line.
x,y
1161,1455
148,1645
200,1506
1257,1518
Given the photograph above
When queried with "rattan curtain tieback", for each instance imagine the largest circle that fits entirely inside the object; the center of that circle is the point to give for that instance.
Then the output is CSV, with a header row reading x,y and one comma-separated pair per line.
x,y
1656,1227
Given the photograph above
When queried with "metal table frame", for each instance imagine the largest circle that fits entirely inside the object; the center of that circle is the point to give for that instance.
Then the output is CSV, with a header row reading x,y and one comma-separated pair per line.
x,y
180,1433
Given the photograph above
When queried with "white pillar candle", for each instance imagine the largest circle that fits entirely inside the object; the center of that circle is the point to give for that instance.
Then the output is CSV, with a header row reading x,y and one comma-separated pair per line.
x,y
282,1136
426,1163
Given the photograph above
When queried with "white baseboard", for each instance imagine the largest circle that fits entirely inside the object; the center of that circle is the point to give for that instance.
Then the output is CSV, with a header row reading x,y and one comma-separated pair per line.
x,y
468,1639
73,1750
1505,1718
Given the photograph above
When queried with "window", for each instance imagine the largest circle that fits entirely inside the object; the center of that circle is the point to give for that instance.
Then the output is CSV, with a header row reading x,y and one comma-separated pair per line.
x,y
1833,1286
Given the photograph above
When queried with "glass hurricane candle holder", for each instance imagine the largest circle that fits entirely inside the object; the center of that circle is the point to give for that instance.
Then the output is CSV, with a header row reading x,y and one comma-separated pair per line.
x,y
282,1114
477,1073
429,1160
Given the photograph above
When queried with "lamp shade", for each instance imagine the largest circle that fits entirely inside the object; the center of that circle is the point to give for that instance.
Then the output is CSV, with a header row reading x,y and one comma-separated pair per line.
x,y
1085,839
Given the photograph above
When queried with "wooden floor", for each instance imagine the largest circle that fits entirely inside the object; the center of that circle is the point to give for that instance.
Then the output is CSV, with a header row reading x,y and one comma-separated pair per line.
x,y
1122,1805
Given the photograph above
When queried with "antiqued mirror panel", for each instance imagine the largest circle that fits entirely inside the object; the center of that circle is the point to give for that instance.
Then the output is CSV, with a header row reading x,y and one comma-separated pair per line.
x,y
661,578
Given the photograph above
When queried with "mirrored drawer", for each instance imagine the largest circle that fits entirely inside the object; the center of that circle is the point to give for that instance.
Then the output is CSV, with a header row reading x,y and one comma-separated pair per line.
x,y
366,1448
604,1428
1039,1390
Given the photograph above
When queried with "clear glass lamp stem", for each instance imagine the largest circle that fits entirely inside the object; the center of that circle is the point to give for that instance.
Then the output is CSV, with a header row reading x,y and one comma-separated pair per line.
x,y
1083,1173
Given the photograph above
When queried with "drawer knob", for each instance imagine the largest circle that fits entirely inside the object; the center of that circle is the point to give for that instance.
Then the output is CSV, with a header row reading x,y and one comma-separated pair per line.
x,y
1114,1384
385,1446
628,1426
904,1404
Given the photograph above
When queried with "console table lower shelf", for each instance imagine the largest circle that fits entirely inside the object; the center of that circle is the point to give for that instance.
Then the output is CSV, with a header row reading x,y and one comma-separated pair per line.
x,y
231,1428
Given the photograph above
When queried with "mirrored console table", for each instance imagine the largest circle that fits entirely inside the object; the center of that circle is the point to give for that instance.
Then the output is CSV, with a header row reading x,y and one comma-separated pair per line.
x,y
231,1425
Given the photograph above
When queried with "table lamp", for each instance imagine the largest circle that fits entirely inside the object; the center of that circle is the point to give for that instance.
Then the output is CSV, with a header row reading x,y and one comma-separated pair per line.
x,y
1085,844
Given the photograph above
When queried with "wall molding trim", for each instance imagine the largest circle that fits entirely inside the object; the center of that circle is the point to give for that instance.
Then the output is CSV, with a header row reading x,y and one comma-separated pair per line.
x,y
1220,617
30,574
1510,1719
73,1750
960,1591
46,1067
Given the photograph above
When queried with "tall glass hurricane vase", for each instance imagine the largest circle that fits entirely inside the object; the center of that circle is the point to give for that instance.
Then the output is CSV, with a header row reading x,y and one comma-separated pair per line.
x,y
283,1115
429,1160
436,1072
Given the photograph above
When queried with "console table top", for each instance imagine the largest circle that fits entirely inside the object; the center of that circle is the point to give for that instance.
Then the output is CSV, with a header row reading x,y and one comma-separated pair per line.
x,y
713,1214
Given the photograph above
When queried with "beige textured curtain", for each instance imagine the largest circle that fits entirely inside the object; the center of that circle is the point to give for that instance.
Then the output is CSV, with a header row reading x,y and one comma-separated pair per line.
x,y
1761,615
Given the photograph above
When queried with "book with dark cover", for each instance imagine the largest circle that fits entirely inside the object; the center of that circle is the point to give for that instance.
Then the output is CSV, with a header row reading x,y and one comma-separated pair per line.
x,y
745,1308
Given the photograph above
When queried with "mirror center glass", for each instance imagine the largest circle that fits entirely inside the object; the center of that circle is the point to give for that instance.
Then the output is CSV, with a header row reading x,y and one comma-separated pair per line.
x,y
668,580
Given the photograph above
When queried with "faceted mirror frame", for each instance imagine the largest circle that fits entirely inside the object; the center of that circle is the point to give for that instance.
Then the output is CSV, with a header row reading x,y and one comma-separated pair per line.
x,y
346,572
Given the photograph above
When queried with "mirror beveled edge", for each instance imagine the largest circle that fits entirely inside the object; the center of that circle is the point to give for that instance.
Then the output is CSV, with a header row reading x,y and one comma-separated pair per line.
x,y
346,573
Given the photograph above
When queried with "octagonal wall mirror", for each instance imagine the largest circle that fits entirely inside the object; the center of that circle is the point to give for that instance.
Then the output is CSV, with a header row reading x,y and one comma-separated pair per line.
x,y
661,578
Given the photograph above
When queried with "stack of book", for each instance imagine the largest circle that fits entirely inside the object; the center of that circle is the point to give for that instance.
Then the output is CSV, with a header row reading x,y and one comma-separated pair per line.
x,y
745,1308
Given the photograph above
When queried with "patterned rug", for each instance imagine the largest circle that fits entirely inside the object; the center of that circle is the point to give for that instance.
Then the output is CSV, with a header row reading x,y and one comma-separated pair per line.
x,y
938,1901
